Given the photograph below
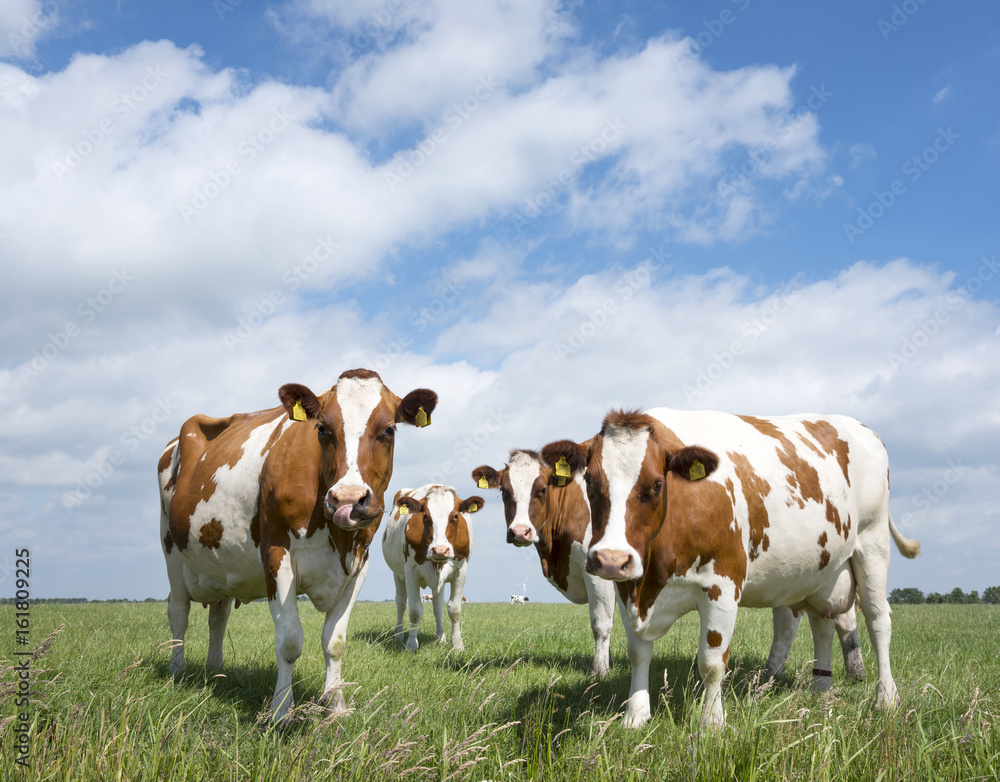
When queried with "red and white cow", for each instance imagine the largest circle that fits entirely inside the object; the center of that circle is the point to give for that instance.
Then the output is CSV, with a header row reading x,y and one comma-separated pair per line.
x,y
556,519
709,511
427,543
278,503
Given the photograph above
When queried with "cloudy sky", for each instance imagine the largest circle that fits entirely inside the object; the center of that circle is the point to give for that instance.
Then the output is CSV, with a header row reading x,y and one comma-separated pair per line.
x,y
539,209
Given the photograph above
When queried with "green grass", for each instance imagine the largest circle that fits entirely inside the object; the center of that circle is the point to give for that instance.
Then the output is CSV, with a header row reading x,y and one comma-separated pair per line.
x,y
516,704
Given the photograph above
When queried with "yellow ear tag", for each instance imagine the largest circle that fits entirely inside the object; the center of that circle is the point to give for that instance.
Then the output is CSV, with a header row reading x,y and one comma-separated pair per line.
x,y
697,471
562,470
298,412
473,508
483,483
421,419
403,510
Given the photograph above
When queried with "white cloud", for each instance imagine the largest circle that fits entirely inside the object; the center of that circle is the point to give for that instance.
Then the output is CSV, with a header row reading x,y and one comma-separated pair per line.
x,y
860,153
941,94
22,23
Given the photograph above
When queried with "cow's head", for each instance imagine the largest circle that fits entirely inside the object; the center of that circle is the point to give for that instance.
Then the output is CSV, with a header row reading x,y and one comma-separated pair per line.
x,y
437,528
631,467
355,425
523,485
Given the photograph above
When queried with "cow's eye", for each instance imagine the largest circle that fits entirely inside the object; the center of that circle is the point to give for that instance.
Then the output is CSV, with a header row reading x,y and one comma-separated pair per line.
x,y
323,430
453,521
540,494
657,487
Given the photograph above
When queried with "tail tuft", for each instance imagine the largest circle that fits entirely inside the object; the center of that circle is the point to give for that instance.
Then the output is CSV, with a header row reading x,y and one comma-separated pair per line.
x,y
907,547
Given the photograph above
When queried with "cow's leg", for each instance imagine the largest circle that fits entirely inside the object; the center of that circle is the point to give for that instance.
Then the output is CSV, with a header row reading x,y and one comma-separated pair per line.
x,y
178,610
437,604
287,634
455,609
218,618
822,632
718,619
846,625
640,653
334,641
400,605
416,608
786,624
870,563
601,602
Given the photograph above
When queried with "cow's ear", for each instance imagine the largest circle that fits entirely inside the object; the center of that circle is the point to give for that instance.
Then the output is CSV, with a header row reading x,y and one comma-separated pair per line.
x,y
566,459
299,402
416,407
471,505
693,463
486,477
412,505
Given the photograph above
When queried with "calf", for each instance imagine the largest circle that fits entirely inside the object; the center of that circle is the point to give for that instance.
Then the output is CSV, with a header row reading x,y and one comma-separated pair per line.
x,y
427,543
767,512
278,503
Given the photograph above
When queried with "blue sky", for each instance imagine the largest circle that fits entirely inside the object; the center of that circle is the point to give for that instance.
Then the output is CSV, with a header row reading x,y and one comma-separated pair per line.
x,y
541,210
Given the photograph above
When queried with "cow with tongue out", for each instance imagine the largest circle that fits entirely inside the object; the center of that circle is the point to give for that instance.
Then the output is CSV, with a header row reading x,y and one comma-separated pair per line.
x,y
279,503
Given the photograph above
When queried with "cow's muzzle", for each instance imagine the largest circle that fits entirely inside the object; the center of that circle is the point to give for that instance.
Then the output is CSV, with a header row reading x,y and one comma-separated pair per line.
x,y
614,565
520,536
351,507
439,553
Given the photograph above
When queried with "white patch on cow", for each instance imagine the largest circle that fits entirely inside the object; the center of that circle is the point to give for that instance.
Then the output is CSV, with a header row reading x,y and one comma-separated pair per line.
x,y
622,455
440,503
358,398
523,469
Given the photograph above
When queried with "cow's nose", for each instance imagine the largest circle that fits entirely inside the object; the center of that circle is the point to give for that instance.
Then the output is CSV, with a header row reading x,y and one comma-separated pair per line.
x,y
439,552
608,563
520,536
348,495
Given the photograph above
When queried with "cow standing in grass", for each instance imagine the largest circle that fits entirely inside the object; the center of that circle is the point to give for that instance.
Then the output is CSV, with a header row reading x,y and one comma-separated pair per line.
x,y
278,503
427,543
709,511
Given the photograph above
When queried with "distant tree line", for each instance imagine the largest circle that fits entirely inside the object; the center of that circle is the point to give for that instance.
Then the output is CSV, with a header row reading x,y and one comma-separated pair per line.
x,y
913,596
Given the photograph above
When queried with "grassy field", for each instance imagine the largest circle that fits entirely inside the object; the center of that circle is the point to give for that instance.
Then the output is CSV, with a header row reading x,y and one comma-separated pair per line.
x,y
517,704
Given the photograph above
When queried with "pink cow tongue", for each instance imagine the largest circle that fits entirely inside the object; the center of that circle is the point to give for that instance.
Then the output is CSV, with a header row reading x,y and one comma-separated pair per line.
x,y
342,515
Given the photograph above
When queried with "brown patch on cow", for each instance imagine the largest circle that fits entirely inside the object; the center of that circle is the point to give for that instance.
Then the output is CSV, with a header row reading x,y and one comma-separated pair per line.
x,y
826,435
725,656
803,480
164,463
699,528
628,419
824,559
458,534
272,562
833,516
755,489
714,639
168,543
822,540
211,534
714,592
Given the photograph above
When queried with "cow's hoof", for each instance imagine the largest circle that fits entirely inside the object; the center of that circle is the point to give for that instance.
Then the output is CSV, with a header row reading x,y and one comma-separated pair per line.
x,y
333,699
411,645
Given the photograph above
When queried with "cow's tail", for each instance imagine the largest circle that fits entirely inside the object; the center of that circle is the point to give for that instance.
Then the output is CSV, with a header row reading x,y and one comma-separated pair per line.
x,y
907,547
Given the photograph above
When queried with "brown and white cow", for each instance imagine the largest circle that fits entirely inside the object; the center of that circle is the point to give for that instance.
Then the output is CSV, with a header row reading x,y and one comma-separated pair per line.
x,y
278,503
556,520
427,543
708,511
